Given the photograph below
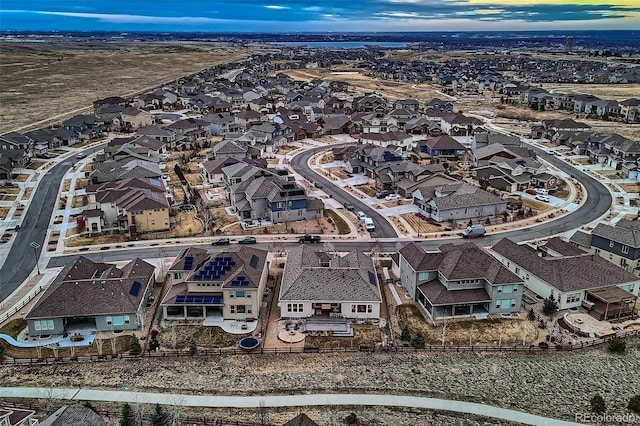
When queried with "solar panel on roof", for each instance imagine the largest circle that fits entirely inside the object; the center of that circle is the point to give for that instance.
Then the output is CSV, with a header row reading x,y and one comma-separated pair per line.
x,y
372,278
135,288
254,261
180,298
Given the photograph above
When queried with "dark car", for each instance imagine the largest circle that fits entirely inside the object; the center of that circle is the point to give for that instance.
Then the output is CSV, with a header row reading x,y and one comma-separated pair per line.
x,y
531,191
247,240
318,185
383,193
309,239
224,241
349,206
185,207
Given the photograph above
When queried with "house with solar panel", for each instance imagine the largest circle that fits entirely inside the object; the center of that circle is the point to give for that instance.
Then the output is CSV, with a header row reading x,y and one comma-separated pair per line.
x,y
328,290
212,287
88,295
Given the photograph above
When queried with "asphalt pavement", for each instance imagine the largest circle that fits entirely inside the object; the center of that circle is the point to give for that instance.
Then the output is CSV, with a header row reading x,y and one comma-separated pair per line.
x,y
299,163
22,257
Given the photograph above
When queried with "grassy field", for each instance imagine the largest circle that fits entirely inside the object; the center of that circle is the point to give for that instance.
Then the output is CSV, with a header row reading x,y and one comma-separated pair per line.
x,y
37,82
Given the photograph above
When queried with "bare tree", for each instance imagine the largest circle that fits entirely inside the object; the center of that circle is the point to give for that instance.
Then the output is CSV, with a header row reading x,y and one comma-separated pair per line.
x,y
49,397
114,348
473,327
206,215
38,347
444,324
162,253
174,336
99,345
54,347
262,414
177,407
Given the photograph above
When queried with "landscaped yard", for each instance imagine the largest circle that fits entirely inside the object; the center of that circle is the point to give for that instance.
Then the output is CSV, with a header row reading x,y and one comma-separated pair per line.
x,y
502,331
338,172
4,211
420,224
100,239
367,189
180,337
341,226
632,188
539,206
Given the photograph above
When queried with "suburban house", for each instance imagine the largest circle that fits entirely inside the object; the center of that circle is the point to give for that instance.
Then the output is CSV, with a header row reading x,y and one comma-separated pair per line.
x,y
226,285
258,194
396,139
167,136
91,295
74,415
320,284
211,170
18,147
135,206
230,149
455,124
630,110
459,281
444,147
619,243
12,416
573,278
134,118
457,201
123,168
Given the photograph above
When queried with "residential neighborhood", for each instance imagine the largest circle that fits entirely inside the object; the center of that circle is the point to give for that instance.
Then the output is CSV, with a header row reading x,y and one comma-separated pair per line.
x,y
312,205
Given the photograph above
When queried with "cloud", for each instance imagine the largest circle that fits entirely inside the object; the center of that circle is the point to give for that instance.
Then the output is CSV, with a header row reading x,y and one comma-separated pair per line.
x,y
276,7
132,19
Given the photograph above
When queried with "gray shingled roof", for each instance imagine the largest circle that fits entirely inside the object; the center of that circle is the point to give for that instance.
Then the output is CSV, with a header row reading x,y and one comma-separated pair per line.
x,y
581,238
438,294
74,415
572,273
347,279
86,288
460,195
564,248
624,232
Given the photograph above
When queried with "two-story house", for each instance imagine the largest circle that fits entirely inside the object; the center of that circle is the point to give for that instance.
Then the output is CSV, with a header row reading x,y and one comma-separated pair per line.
x,y
213,287
459,281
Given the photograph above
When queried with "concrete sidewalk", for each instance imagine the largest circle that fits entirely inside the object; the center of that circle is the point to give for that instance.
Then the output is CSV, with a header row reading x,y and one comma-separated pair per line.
x,y
308,400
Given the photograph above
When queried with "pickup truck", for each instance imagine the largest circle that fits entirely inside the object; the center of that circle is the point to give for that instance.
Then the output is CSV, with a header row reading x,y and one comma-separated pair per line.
x,y
309,239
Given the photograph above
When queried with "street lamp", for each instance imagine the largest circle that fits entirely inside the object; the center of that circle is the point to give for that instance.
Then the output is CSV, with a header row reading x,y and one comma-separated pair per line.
x,y
36,246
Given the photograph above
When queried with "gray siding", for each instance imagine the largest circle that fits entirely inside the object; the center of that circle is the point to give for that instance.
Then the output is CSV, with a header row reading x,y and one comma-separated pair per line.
x,y
101,322
58,324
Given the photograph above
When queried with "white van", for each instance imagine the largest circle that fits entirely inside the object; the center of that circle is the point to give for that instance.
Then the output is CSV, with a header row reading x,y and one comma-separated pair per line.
x,y
361,216
368,224
542,191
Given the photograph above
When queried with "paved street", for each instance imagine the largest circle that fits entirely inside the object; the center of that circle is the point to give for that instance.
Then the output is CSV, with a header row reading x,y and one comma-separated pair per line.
x,y
22,257
227,401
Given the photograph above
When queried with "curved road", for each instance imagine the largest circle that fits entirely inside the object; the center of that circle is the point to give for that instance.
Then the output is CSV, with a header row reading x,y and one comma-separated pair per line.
x,y
313,400
598,202
22,257
299,163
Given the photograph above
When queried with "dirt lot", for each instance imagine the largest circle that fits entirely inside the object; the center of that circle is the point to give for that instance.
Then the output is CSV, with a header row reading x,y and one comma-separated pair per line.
x,y
86,241
419,223
364,335
37,74
4,211
630,187
618,92
205,337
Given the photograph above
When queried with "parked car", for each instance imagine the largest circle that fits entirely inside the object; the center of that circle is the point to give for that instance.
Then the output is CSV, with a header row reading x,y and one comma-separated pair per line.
x,y
473,231
318,185
368,224
349,206
383,193
361,216
224,241
544,198
81,155
185,207
247,240
392,197
531,191
309,239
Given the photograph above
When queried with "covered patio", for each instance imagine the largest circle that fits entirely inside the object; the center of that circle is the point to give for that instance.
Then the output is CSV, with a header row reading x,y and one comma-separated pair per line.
x,y
441,303
612,303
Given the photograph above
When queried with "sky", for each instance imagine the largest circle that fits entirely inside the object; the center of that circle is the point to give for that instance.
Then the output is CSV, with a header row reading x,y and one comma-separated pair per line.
x,y
314,16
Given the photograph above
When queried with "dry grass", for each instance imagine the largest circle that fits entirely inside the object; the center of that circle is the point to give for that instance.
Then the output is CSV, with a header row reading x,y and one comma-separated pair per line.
x,y
539,206
100,239
205,337
338,172
367,189
341,226
21,177
187,224
618,92
632,188
503,331
363,335
34,77
79,201
419,223
4,211
193,179
220,218
9,190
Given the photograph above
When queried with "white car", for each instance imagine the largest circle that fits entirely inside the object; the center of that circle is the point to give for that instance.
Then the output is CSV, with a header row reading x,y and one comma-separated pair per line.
x,y
392,197
541,197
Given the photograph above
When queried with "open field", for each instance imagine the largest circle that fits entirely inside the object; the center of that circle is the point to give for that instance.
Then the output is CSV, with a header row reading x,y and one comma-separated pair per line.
x,y
618,92
37,82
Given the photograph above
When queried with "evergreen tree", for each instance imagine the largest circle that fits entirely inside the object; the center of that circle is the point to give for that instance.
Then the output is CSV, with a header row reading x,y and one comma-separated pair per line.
x,y
598,405
127,418
159,417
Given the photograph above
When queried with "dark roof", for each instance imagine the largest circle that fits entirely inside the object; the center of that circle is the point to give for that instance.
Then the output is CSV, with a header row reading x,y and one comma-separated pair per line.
x,y
74,415
581,238
625,232
443,142
564,248
438,294
566,273
301,420
85,288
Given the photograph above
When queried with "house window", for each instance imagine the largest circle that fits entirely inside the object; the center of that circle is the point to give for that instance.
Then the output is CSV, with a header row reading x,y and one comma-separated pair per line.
x,y
249,309
611,244
232,294
36,325
517,270
118,320
240,309
153,222
625,249
573,298
423,276
177,275
295,307
127,320
109,320
628,287
239,293
597,251
369,309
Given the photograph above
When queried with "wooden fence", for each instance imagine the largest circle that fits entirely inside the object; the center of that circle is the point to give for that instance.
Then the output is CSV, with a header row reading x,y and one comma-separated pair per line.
x,y
298,350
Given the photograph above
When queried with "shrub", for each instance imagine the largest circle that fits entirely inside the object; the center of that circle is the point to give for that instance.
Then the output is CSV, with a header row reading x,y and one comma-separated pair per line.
x,y
550,306
406,334
1,352
598,405
531,316
634,403
418,340
136,349
617,345
351,419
